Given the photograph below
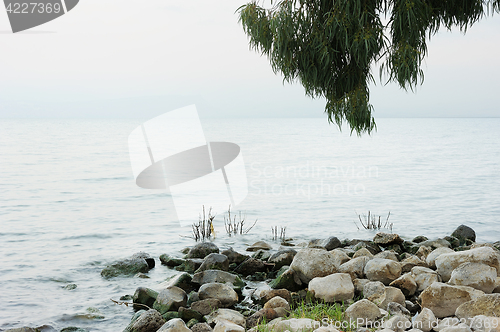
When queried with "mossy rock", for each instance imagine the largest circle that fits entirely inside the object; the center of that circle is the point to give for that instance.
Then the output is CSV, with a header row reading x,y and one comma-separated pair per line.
x,y
170,261
286,280
126,267
191,323
146,296
170,315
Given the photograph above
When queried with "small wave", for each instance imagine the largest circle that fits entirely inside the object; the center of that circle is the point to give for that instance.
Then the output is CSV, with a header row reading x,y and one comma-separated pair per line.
x,y
88,236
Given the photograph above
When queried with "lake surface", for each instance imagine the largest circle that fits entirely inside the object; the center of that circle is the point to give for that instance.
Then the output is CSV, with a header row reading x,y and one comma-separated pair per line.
x,y
69,204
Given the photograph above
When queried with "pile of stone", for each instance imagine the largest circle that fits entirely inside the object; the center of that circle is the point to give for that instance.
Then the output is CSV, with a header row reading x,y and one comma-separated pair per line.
x,y
445,285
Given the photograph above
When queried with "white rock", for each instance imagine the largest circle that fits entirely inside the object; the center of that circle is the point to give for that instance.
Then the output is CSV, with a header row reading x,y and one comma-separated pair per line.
x,y
295,325
431,258
393,294
477,275
277,302
424,277
497,285
336,287
227,326
406,283
174,325
355,267
232,316
225,294
446,263
374,291
425,320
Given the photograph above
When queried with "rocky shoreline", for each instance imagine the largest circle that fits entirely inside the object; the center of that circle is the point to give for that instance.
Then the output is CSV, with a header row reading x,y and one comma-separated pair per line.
x,y
388,284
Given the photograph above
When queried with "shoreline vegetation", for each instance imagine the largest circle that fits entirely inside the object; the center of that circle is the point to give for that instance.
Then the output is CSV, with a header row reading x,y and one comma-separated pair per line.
x,y
450,284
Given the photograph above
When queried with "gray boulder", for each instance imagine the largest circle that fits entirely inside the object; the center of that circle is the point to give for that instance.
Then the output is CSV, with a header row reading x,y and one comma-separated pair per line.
x,y
234,256
251,266
174,325
355,267
446,263
145,296
214,262
259,245
225,294
464,233
383,270
201,250
406,283
225,326
363,312
386,239
232,316
282,258
424,277
443,300
328,244
210,276
126,267
182,280
477,275
425,320
170,299
431,258
335,287
311,263
149,321
206,306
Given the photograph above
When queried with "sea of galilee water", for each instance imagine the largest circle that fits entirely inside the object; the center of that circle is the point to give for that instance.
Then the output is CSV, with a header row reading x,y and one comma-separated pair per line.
x,y
69,204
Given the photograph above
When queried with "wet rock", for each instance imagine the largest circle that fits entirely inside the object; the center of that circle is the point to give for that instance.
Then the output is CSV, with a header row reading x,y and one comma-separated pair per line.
x,y
149,321
433,244
66,329
150,260
477,275
181,280
287,279
443,299
201,327
266,314
174,325
363,252
488,305
251,266
419,239
170,261
222,277
412,307
328,244
228,315
424,277
145,296
336,287
410,262
214,262
282,258
277,302
374,291
431,258
464,233
206,306
189,313
425,320
312,263
190,265
70,286
259,245
364,312
201,250
261,254
225,326
169,315
386,239
126,267
453,241
406,283
225,294
355,267
446,263
170,299
234,256
383,270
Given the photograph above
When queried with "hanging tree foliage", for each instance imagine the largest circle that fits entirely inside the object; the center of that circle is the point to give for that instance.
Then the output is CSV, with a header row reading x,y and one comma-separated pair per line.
x,y
329,46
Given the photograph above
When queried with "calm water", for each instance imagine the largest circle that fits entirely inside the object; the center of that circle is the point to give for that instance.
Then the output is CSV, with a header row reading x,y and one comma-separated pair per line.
x,y
69,204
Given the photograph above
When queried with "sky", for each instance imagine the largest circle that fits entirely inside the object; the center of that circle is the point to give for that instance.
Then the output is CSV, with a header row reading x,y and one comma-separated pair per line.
x,y
139,59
